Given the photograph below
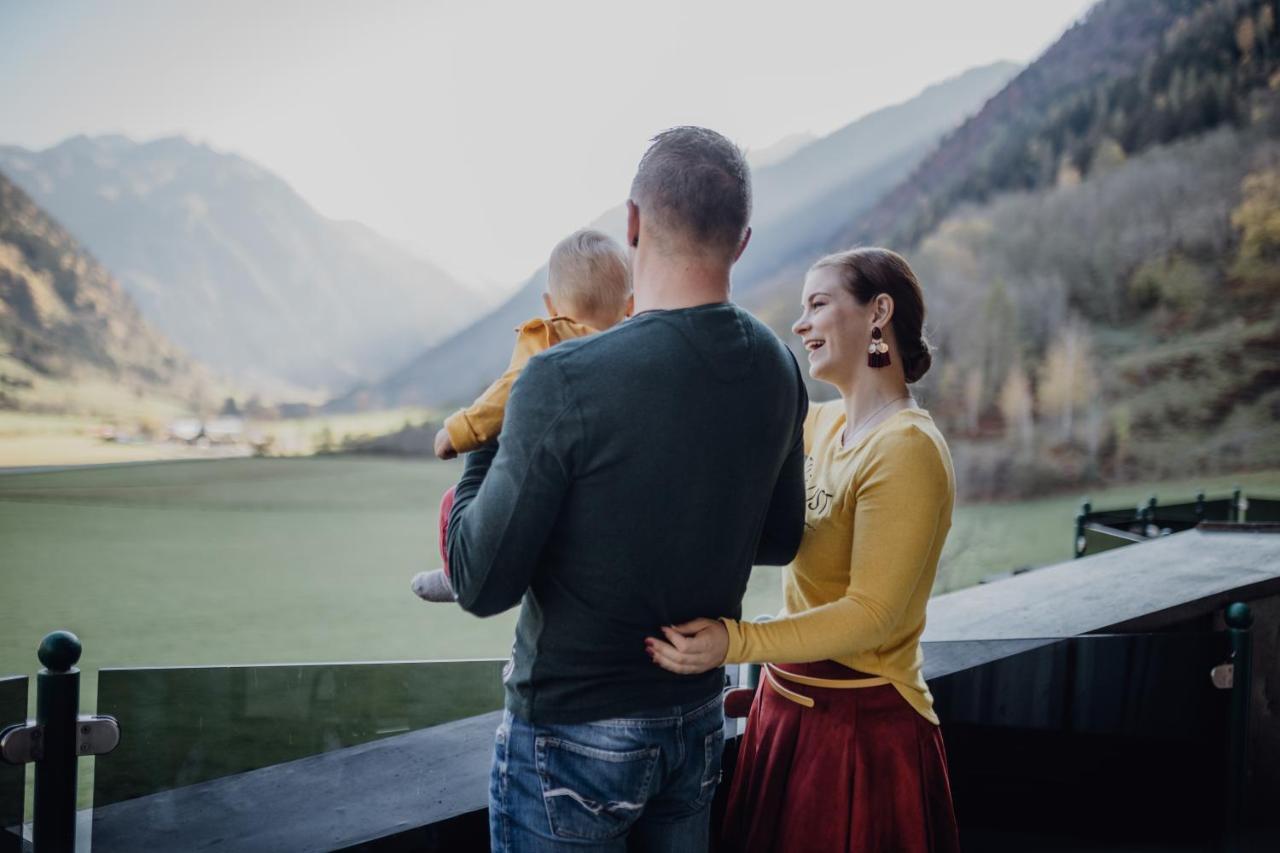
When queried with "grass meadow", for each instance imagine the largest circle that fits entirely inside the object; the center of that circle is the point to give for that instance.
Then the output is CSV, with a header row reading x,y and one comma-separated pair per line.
x,y
32,439
292,560
304,560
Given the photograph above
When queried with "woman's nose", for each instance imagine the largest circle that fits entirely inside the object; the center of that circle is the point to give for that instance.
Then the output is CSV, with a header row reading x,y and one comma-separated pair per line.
x,y
799,326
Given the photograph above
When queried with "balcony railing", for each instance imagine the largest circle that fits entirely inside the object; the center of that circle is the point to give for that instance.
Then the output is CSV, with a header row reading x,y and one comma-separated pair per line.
x,y
1083,739
1102,530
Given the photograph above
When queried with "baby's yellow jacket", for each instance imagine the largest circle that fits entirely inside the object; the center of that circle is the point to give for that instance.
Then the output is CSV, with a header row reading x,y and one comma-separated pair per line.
x,y
480,423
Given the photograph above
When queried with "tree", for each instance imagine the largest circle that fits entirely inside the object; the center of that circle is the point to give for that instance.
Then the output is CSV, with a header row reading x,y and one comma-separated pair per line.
x,y
1067,380
1258,218
973,398
1017,405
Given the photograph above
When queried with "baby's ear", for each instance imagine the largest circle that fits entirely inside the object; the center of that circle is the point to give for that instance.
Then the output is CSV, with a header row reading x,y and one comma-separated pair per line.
x,y
631,305
551,306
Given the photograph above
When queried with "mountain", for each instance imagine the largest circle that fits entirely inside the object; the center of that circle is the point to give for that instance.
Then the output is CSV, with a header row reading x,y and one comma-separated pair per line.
x,y
758,158
230,263
63,317
800,201
1099,255
1131,73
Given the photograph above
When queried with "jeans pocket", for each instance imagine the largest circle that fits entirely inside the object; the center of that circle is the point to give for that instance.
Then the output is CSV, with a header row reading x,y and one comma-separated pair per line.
x,y
592,793
498,786
713,751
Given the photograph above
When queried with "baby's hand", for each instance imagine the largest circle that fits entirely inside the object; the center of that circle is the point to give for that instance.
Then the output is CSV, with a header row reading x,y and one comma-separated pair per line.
x,y
444,446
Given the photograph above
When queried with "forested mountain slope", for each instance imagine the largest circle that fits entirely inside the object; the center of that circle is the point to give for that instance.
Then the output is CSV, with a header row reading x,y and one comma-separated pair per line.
x,y
63,316
1101,256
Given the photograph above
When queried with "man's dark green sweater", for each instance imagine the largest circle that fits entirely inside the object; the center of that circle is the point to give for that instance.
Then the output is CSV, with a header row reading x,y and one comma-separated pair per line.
x,y
640,474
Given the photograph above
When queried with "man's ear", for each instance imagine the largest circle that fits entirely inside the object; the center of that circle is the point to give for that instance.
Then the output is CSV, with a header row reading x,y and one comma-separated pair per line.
x,y
551,306
742,247
633,224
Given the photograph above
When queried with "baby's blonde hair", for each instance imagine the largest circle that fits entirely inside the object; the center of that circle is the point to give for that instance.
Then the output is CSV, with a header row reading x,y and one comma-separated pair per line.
x,y
590,274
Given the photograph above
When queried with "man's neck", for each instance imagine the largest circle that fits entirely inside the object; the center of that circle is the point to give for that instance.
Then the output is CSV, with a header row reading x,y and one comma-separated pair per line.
x,y
666,283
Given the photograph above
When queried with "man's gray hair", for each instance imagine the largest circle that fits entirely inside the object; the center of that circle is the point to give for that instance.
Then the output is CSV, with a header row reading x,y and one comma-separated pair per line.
x,y
696,186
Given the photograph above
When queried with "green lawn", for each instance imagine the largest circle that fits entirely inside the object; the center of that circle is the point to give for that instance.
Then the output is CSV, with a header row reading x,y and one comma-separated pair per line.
x,y
997,537
303,560
269,560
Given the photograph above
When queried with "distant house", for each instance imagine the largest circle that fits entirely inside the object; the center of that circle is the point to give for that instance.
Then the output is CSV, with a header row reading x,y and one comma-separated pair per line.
x,y
186,429
227,429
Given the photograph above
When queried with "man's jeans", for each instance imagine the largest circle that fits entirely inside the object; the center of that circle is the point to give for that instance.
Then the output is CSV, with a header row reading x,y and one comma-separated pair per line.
x,y
635,783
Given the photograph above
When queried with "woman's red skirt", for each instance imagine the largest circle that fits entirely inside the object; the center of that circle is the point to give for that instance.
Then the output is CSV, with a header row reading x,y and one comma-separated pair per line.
x,y
860,771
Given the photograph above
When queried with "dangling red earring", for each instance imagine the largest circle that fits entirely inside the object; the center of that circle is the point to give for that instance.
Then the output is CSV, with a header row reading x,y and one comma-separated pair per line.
x,y
878,350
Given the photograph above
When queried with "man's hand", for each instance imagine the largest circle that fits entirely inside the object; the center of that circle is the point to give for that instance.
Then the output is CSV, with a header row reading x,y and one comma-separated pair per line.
x,y
444,446
690,648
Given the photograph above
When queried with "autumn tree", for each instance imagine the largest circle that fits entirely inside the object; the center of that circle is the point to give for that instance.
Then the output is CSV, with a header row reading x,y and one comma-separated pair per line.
x,y
1258,218
1067,380
973,387
1017,406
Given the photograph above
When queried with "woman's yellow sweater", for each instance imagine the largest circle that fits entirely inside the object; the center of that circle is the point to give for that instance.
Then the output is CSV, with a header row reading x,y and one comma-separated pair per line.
x,y
876,517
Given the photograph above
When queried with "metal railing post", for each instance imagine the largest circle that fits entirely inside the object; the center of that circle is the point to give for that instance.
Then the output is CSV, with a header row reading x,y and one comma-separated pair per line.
x,y
54,740
53,827
1237,505
1200,509
1239,620
1082,516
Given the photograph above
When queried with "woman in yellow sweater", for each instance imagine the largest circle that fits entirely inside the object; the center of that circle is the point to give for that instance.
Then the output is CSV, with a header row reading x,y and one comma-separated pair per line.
x,y
842,749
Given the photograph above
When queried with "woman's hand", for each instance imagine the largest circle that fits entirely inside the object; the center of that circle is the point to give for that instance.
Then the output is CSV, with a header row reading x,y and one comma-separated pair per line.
x,y
690,648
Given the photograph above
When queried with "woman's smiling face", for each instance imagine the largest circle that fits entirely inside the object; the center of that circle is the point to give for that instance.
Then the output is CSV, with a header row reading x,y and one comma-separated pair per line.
x,y
835,329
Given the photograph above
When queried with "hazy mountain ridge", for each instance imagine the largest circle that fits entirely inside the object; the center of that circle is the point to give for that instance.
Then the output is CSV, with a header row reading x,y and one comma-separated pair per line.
x,y
801,202
63,315
1117,55
228,261
1098,255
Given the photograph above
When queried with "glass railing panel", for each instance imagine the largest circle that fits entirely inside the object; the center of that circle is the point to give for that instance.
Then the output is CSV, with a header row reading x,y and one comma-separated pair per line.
x,y
1099,539
1120,518
1102,737
1262,510
1184,515
13,711
186,725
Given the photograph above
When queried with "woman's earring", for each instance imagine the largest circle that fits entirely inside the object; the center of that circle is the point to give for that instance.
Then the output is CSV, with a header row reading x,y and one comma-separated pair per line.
x,y
878,351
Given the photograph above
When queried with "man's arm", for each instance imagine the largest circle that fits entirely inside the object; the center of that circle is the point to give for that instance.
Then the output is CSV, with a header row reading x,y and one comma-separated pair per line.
x,y
507,500
784,522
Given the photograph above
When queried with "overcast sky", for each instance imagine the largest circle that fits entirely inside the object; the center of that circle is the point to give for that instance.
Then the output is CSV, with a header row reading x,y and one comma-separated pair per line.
x,y
480,132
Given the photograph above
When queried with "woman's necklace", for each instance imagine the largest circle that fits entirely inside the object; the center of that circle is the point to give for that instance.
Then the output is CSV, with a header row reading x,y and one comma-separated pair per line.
x,y
847,438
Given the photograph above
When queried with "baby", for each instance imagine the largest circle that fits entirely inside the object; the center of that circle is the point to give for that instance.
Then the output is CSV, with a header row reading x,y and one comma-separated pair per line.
x,y
588,291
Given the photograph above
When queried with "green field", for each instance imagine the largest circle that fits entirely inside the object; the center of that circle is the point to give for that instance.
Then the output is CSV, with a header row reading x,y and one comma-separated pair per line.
x,y
304,560
271,560
29,439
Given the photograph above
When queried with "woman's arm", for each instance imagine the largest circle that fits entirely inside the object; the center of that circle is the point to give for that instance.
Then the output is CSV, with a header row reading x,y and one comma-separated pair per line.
x,y
898,515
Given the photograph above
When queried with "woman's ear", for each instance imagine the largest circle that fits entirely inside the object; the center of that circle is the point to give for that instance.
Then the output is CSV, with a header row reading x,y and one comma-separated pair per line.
x,y
882,310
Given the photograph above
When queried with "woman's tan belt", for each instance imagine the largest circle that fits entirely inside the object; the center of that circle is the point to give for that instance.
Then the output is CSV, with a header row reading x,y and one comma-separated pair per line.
x,y
773,673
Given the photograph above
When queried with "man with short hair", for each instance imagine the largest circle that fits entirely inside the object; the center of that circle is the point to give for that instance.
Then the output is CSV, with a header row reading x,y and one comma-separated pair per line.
x,y
641,473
